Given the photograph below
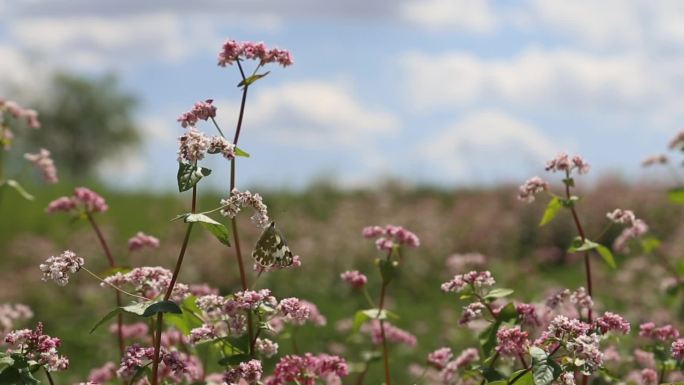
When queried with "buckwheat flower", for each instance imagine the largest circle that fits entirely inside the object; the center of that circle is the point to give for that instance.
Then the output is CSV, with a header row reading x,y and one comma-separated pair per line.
x,y
391,236
192,146
251,300
586,348
45,164
61,204
439,358
148,282
206,332
649,377
528,314
233,51
354,279
474,279
581,299
562,326
677,141
212,305
638,229
623,217
142,240
103,374
58,268
563,163
91,201
612,322
134,358
137,330
654,159
678,349
238,200
392,334
12,313
249,371
294,310
644,358
567,378
512,341
200,111
579,164
266,347
558,298
471,312
663,333
532,187
18,112
201,289
315,315
467,357
307,369
220,145
36,346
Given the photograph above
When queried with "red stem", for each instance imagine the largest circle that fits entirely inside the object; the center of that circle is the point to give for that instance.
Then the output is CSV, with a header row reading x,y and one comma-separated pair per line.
x,y
385,352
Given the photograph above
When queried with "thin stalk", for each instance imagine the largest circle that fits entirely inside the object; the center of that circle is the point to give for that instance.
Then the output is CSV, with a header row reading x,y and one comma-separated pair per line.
x,y
118,289
362,375
49,376
169,290
112,264
385,352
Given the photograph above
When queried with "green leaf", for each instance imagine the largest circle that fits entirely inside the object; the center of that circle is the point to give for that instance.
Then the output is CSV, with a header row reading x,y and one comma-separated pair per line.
x,y
544,369
106,318
189,319
252,79
676,195
578,245
492,375
552,209
508,313
17,187
388,269
369,356
607,256
362,316
522,379
649,244
499,382
219,230
189,175
241,152
487,338
499,293
162,307
136,308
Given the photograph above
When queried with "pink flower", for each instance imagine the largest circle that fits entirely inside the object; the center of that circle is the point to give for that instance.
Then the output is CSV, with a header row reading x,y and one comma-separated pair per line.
x,y
532,187
45,164
512,341
65,204
18,112
148,282
58,268
581,299
200,111
249,371
392,333
11,313
233,51
471,312
237,200
638,229
220,145
192,146
474,279
563,163
678,349
391,236
528,314
315,316
654,159
624,217
612,322
39,347
649,377
266,347
137,330
307,369
467,357
663,333
142,240
294,310
88,200
103,374
644,358
135,357
354,278
439,358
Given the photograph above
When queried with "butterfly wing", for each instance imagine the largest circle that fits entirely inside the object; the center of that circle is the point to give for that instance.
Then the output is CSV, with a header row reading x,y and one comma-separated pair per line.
x,y
271,249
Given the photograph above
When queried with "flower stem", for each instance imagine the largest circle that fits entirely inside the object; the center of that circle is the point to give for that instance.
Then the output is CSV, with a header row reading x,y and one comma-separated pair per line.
x,y
385,352
49,376
112,264
118,289
169,290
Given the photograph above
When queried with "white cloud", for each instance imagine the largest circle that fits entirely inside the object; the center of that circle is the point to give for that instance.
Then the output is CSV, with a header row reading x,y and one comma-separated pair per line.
x,y
315,114
488,142
551,80
468,15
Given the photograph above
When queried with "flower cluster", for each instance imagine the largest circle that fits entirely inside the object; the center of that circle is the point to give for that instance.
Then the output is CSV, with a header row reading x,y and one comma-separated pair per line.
x,y
58,268
45,164
176,367
612,322
18,112
532,187
307,369
392,333
471,312
450,369
237,200
12,313
200,111
635,227
512,341
391,236
233,51
294,310
440,358
266,347
678,349
83,199
138,330
39,347
677,141
148,282
354,278
192,146
563,163
142,240
250,372
663,333
475,280
654,159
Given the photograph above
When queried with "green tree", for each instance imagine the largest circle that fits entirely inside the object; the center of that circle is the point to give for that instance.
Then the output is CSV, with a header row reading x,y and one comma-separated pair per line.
x,y
85,121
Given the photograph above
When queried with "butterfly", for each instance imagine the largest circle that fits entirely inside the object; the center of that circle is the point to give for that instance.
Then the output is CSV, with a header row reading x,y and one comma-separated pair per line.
x,y
271,249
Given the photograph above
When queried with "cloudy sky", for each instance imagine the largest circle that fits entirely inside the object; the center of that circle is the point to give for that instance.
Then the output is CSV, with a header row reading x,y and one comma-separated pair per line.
x,y
450,92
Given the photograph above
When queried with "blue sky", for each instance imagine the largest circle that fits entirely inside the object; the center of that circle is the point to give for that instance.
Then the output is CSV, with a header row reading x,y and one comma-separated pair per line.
x,y
447,92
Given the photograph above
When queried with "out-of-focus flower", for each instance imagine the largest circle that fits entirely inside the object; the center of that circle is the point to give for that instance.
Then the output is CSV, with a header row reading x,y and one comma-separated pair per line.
x,y
12,313
354,279
18,112
148,282
663,333
644,358
457,263
654,159
581,299
103,374
563,163
649,377
471,312
45,164
83,198
266,347
58,268
307,369
142,240
137,330
392,333
512,341
677,140
238,200
440,357
528,314
612,322
246,50
391,236
475,279
678,349
638,229
532,187
249,372
39,347
623,217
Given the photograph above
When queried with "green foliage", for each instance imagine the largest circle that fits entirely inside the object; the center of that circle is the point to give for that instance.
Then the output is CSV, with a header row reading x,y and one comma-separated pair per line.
x,y
544,369
362,316
248,81
676,195
487,337
189,175
552,209
18,188
578,245
220,231
142,309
